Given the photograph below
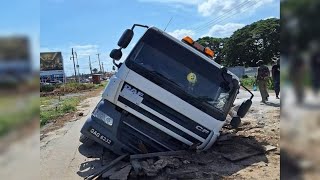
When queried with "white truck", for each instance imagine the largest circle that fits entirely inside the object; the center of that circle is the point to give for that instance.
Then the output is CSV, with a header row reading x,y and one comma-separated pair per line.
x,y
167,95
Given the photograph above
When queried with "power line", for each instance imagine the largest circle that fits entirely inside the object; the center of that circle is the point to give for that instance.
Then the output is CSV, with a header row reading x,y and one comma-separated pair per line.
x,y
224,16
195,26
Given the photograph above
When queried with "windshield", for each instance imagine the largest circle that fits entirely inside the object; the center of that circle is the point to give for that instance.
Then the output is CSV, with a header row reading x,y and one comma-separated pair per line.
x,y
191,80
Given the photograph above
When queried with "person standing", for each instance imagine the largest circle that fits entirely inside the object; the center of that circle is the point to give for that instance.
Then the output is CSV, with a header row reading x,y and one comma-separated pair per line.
x,y
315,72
276,77
262,80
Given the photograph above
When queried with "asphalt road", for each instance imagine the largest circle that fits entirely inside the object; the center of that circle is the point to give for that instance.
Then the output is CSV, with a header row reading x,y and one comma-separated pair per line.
x,y
60,157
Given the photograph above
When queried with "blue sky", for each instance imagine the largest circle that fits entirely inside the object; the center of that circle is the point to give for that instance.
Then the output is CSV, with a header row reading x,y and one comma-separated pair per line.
x,y
21,17
94,26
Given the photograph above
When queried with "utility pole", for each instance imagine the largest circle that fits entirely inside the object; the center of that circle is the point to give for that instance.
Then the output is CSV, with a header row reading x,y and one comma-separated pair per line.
x,y
99,62
102,68
74,65
77,66
90,66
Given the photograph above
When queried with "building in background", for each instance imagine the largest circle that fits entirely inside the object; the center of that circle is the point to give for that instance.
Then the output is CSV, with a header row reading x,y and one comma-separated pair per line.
x,y
51,67
15,59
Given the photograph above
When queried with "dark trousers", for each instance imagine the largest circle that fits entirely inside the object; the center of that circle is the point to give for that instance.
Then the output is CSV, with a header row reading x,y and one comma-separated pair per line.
x,y
276,85
263,89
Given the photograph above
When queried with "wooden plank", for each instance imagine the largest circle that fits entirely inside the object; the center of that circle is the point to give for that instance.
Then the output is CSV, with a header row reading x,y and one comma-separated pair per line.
x,y
150,155
105,168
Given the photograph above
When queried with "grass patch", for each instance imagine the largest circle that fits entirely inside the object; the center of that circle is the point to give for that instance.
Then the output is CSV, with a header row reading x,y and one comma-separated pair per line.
x,y
66,105
13,114
72,87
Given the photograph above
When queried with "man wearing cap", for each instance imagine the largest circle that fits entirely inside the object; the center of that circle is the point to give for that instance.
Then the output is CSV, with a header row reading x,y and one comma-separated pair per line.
x,y
276,76
262,79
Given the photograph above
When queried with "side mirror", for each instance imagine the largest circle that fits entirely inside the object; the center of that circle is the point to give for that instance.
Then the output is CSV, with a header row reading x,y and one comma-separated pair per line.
x,y
116,54
126,38
244,108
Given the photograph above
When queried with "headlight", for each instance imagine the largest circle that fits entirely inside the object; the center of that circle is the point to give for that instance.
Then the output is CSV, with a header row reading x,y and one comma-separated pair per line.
x,y
103,116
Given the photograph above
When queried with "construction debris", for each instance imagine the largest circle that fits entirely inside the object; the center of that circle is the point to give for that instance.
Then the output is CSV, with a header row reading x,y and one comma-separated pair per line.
x,y
234,148
103,169
121,174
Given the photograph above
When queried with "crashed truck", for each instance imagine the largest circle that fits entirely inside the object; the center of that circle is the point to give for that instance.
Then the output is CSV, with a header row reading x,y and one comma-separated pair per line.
x,y
167,95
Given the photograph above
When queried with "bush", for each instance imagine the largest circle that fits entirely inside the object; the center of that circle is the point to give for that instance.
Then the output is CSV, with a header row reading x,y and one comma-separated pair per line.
x,y
245,76
248,82
47,88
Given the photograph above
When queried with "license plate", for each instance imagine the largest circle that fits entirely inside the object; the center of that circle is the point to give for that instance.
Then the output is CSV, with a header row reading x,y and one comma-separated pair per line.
x,y
100,136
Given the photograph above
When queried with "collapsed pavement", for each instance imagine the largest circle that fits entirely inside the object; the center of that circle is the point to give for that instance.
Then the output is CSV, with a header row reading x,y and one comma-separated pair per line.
x,y
235,150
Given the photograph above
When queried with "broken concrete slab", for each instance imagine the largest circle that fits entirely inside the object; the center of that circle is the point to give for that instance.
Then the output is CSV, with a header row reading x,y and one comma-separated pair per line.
x,y
268,148
149,169
114,169
225,137
136,166
236,156
122,174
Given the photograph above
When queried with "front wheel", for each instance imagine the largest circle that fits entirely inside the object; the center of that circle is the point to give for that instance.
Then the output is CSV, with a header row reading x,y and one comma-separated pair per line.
x,y
86,141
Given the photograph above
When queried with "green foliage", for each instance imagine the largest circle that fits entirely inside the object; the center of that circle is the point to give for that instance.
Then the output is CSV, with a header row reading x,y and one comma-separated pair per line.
x,y
215,44
47,88
66,105
75,87
67,88
259,40
250,81
12,118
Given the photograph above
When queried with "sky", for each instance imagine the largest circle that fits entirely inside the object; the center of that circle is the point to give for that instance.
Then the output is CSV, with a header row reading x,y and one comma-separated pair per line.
x,y
94,26
21,18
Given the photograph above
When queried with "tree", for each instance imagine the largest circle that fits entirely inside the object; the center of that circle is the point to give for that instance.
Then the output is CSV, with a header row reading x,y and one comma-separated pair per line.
x,y
259,40
215,44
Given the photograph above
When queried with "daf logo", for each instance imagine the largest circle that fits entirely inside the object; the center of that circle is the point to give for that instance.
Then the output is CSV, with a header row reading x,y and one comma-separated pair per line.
x,y
133,90
199,128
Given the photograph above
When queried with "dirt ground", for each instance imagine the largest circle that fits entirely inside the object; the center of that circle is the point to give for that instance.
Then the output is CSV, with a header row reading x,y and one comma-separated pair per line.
x,y
238,154
300,137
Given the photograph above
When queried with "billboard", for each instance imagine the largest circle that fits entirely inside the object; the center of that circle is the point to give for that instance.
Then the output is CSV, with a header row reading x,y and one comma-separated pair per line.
x,y
14,48
51,61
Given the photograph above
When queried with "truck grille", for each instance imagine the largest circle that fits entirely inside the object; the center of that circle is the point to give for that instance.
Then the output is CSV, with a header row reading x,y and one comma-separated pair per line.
x,y
141,136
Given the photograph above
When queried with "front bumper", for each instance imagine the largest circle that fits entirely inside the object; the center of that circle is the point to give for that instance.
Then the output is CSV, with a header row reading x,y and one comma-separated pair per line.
x,y
104,134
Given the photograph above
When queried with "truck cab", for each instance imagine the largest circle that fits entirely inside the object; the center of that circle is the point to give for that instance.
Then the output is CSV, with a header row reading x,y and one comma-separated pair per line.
x,y
167,95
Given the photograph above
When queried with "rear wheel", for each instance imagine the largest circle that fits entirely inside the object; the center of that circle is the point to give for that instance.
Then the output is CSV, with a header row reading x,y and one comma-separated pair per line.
x,y
86,141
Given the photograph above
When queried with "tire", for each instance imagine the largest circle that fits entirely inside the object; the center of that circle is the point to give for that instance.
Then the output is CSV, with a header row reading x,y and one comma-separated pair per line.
x,y
86,141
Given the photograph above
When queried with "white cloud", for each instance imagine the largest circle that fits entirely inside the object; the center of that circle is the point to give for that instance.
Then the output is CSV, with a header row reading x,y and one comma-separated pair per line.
x,y
216,7
222,31
181,33
85,50
185,2
228,7
270,17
